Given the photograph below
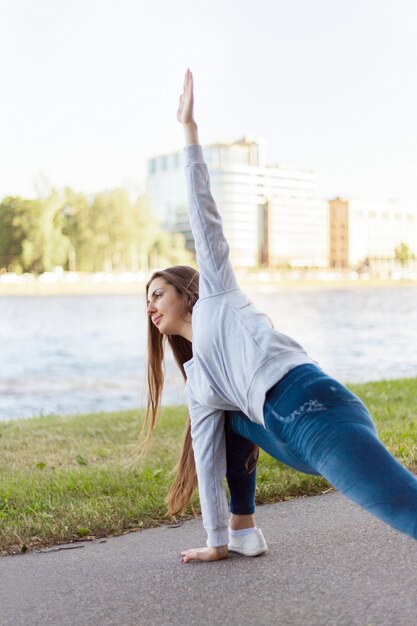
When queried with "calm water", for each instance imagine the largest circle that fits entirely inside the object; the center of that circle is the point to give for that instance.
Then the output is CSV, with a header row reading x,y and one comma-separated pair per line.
x,y
81,354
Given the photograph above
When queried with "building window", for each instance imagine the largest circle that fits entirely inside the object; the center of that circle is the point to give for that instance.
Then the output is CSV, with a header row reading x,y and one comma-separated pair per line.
x,y
372,214
174,161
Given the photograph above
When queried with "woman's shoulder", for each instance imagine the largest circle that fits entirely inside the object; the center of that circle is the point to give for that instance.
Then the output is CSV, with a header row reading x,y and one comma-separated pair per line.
x,y
233,297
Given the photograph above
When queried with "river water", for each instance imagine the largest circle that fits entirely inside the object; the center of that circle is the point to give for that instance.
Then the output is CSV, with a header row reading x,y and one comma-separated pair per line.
x,y
79,354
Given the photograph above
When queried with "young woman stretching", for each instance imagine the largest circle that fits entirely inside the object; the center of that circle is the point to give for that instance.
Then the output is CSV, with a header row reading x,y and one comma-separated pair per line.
x,y
248,385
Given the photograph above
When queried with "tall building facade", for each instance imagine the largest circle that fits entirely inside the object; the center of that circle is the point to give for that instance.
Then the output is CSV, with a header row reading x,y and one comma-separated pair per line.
x,y
271,215
363,232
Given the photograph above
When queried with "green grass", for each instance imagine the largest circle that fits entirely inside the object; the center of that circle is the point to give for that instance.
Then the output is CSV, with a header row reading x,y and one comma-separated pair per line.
x,y
66,478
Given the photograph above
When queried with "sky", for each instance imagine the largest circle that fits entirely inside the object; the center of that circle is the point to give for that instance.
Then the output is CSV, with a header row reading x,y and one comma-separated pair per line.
x,y
90,89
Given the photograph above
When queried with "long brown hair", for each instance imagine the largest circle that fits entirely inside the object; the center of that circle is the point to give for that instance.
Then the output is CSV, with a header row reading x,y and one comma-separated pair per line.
x,y
185,279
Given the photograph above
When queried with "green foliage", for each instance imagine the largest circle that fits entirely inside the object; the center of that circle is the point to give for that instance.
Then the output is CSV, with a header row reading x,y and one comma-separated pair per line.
x,y
106,232
403,254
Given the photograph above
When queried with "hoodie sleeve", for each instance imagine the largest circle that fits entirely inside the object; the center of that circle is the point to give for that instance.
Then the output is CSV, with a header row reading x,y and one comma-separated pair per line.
x,y
212,249
209,446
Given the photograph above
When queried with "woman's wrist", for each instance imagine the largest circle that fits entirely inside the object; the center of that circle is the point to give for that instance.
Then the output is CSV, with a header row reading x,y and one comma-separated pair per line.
x,y
191,133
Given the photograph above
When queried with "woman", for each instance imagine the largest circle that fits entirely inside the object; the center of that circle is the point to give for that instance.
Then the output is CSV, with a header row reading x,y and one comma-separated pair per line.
x,y
260,385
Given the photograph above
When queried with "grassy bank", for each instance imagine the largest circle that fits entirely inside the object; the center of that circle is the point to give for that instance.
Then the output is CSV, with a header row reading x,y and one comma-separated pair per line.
x,y
65,478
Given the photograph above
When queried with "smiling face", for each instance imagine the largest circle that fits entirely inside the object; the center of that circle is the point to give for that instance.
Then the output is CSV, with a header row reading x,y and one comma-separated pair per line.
x,y
167,310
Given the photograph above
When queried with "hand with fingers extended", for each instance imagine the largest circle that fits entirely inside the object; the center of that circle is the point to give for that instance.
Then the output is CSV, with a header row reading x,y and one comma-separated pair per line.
x,y
204,554
185,113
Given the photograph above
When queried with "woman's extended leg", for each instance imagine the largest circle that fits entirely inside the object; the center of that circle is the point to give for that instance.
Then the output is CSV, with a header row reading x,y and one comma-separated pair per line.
x,y
351,457
316,425
328,428
347,453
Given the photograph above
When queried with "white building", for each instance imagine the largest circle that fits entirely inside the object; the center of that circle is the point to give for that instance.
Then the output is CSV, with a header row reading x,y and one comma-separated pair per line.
x,y
271,215
369,230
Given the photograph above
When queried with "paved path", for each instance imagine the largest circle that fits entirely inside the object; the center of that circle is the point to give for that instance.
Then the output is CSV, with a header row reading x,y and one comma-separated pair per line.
x,y
329,563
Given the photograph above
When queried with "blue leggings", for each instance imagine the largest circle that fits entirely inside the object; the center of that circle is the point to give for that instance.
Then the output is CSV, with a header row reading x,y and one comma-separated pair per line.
x,y
315,425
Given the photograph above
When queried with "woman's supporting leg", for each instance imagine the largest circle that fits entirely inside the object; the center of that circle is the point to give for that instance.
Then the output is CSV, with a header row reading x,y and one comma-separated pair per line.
x,y
242,485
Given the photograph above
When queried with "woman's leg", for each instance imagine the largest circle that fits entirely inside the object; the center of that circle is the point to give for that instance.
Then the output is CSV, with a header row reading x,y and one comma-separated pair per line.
x,y
241,434
352,458
242,485
329,429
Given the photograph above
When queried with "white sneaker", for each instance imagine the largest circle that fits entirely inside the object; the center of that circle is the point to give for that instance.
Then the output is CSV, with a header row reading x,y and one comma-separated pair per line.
x,y
250,545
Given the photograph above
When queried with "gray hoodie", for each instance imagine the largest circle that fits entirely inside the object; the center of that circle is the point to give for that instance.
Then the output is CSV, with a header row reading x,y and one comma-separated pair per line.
x,y
237,356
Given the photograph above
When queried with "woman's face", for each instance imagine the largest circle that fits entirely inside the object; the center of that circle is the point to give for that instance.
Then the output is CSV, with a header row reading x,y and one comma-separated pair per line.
x,y
166,309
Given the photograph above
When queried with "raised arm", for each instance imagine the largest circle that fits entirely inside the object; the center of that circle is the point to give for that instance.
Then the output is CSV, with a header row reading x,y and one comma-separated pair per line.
x,y
212,250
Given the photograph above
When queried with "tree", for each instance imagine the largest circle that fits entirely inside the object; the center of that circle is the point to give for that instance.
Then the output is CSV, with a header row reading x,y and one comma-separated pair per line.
x,y
11,233
20,234
75,226
403,254
107,231
169,249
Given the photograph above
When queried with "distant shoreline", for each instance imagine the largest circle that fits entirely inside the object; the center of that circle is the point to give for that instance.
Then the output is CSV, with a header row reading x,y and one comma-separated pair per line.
x,y
138,288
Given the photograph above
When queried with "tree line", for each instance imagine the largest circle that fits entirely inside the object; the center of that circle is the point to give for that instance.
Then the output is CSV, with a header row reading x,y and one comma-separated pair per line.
x,y
104,232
